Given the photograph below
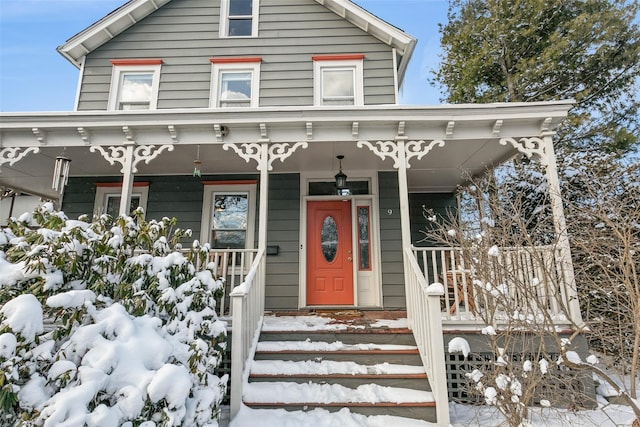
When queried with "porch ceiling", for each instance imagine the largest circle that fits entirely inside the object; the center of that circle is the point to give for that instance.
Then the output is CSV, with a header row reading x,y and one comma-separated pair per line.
x,y
471,134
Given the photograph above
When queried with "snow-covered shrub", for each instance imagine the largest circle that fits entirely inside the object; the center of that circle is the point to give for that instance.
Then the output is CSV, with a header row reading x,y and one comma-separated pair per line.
x,y
107,322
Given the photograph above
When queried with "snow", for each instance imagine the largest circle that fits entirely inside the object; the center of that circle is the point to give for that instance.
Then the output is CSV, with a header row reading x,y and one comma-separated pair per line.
x,y
288,392
494,251
328,367
8,344
459,345
301,323
23,315
319,418
171,382
71,299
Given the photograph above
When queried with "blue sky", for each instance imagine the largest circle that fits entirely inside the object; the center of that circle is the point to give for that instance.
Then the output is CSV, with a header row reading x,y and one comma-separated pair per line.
x,y
35,77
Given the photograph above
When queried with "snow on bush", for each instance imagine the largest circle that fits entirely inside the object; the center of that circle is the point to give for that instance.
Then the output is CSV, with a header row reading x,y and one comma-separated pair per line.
x,y
129,335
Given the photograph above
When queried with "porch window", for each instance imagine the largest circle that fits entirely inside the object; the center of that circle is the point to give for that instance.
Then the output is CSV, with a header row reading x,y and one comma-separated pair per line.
x,y
239,18
338,80
235,84
108,196
228,214
134,84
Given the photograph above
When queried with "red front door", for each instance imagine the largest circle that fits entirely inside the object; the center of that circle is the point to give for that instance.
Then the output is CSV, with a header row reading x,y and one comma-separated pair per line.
x,y
329,253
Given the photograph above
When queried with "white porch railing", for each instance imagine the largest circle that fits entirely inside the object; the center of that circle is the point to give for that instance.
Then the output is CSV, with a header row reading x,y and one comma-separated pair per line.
x,y
423,314
233,265
539,268
247,304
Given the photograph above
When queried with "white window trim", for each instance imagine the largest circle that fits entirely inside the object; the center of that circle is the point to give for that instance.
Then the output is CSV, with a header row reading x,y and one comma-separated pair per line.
x,y
211,188
241,67
356,64
224,19
103,192
116,75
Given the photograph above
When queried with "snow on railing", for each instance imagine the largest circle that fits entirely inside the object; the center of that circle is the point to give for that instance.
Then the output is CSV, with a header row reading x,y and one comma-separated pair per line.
x,y
247,304
423,313
533,273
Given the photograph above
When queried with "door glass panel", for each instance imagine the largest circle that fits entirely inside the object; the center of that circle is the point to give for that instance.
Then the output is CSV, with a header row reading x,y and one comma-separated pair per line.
x,y
329,239
364,254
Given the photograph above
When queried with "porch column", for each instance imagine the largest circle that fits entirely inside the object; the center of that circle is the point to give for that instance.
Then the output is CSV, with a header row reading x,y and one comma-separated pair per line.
x,y
541,148
560,226
263,163
127,180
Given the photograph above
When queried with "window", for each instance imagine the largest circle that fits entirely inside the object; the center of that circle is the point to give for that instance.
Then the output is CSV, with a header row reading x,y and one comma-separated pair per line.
x,y
338,80
239,18
228,214
108,196
134,84
235,82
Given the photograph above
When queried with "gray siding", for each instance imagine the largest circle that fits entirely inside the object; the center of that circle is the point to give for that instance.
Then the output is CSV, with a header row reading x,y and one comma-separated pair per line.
x,y
282,281
184,33
393,294
169,196
442,205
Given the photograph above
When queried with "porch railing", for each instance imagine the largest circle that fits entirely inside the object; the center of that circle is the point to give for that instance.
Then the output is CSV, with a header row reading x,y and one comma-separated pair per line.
x,y
536,274
233,266
423,314
247,302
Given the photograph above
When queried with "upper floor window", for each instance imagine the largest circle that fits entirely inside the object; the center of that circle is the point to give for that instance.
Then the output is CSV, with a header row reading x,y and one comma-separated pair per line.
x,y
134,84
239,18
338,80
235,82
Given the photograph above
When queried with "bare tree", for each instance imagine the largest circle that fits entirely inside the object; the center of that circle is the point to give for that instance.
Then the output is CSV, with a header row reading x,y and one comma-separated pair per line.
x,y
509,250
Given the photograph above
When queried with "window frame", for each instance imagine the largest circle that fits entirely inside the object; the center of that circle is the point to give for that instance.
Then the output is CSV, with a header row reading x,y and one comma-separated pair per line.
x,y
211,188
225,18
338,62
133,66
105,190
219,66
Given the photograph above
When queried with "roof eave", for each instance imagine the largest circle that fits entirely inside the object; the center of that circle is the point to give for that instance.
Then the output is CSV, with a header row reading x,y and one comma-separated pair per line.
x,y
107,28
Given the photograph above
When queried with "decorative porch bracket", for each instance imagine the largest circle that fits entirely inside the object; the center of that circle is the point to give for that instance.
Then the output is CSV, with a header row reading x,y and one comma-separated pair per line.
x,y
391,149
534,148
276,151
129,155
13,155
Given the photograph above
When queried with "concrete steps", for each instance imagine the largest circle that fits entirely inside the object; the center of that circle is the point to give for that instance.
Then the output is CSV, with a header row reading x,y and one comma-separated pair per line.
x,y
369,370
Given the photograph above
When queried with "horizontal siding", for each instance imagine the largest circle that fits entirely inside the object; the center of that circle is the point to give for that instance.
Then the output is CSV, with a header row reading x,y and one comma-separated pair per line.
x,y
442,204
184,33
391,241
169,196
283,225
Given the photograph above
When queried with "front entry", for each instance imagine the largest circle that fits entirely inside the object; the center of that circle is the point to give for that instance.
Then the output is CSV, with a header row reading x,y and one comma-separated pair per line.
x,y
329,253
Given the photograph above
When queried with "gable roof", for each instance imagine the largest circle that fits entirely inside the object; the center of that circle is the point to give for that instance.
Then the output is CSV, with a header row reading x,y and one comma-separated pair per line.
x,y
133,11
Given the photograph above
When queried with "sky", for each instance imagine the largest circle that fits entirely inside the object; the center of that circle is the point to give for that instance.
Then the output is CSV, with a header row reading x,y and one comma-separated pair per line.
x,y
35,77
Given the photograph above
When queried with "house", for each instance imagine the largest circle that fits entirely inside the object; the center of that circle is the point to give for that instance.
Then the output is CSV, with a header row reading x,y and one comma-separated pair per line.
x,y
242,119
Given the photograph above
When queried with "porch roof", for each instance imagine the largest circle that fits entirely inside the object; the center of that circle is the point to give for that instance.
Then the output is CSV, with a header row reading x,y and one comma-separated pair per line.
x,y
470,133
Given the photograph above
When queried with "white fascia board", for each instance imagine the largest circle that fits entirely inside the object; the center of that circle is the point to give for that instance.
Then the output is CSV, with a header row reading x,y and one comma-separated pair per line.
x,y
107,28
378,28
370,23
63,129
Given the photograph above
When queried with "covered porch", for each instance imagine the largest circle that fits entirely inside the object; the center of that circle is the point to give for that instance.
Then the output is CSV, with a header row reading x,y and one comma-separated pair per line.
x,y
428,150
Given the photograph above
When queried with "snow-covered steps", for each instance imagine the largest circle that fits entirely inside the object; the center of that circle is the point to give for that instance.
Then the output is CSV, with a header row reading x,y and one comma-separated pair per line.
x,y
369,370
